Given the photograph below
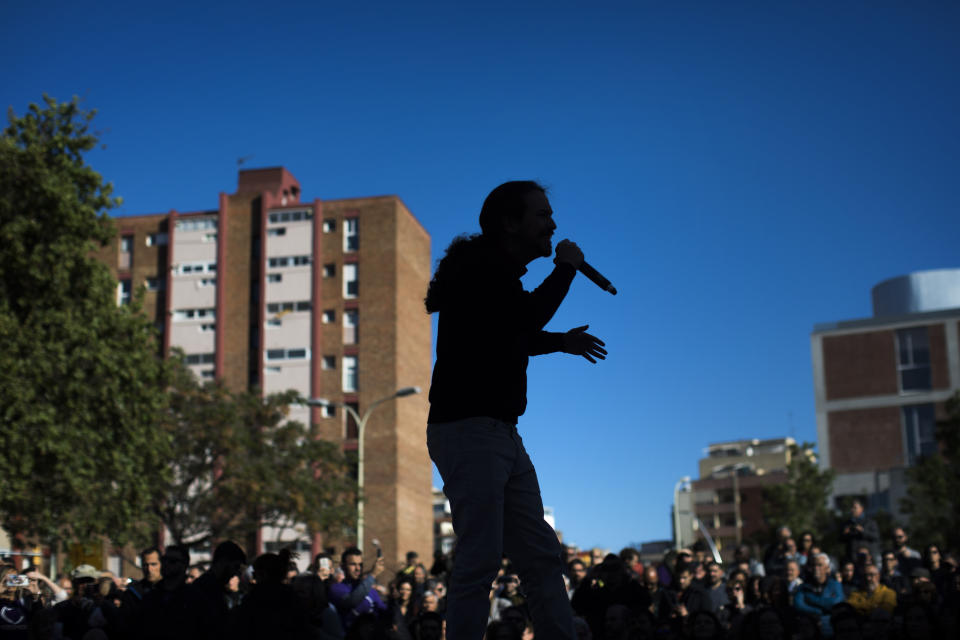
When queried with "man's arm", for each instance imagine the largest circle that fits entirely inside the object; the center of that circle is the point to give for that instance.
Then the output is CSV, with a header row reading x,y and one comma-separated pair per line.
x,y
541,303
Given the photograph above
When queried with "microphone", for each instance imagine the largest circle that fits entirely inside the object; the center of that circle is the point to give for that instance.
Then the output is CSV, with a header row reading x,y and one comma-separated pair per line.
x,y
596,278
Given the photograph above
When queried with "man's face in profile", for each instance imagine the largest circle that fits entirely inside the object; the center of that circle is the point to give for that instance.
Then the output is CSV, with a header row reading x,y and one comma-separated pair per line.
x,y
535,227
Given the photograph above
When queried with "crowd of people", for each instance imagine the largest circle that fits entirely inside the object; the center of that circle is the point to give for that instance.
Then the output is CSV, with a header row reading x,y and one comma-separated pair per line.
x,y
878,590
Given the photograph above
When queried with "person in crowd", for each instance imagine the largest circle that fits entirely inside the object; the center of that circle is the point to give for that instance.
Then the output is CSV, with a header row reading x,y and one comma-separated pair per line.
x,y
150,565
271,609
356,595
907,557
631,560
577,571
818,596
845,622
17,609
323,622
773,554
793,576
744,561
39,582
715,591
704,625
873,594
891,576
76,615
166,611
848,578
933,562
402,610
859,530
413,559
606,584
919,622
662,601
618,622
194,571
441,565
732,613
803,550
217,592
688,594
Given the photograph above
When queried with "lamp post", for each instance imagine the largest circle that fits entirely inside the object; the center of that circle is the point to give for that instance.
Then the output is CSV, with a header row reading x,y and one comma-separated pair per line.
x,y
361,424
676,510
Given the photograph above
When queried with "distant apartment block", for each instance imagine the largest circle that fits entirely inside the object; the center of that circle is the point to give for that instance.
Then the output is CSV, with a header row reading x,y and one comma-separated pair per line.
x,y
880,384
324,296
728,496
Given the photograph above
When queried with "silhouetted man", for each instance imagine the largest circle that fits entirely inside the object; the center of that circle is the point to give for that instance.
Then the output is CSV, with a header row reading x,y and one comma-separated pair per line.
x,y
487,330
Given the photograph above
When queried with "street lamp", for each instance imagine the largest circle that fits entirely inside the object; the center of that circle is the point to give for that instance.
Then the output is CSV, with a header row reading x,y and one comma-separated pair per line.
x,y
361,423
676,510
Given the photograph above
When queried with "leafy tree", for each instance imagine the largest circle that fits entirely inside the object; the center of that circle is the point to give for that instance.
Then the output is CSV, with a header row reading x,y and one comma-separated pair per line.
x,y
933,486
238,463
801,502
81,386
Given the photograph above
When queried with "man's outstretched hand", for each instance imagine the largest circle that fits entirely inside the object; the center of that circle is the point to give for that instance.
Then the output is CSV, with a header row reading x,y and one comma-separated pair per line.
x,y
580,343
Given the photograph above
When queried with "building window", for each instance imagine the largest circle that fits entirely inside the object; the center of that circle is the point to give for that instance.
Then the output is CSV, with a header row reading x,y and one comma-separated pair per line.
x,y
126,252
329,270
194,314
272,370
157,239
329,225
208,327
273,323
350,285
199,358
913,350
328,411
287,354
207,282
277,231
277,307
351,241
920,427
349,373
155,284
185,268
207,374
201,224
290,216
350,320
329,316
329,362
124,289
274,277
351,428
210,237
288,261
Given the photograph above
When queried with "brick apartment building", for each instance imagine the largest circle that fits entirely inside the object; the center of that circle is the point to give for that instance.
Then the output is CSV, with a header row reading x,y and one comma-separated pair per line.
x,y
728,496
880,384
325,297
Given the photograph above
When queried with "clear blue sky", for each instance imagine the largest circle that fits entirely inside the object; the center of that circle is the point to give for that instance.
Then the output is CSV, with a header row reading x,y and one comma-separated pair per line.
x,y
740,171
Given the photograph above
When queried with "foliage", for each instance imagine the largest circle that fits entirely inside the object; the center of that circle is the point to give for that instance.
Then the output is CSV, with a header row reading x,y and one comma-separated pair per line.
x,y
933,486
81,386
801,502
237,463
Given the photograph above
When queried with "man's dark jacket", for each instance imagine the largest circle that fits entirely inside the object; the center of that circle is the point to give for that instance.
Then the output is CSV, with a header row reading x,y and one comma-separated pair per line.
x,y
487,330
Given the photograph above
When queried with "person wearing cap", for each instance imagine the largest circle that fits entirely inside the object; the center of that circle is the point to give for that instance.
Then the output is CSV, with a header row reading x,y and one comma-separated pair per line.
x,y
74,613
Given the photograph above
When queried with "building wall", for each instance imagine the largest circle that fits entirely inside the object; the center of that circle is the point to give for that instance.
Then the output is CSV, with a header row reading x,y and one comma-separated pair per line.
x,y
863,403
392,342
